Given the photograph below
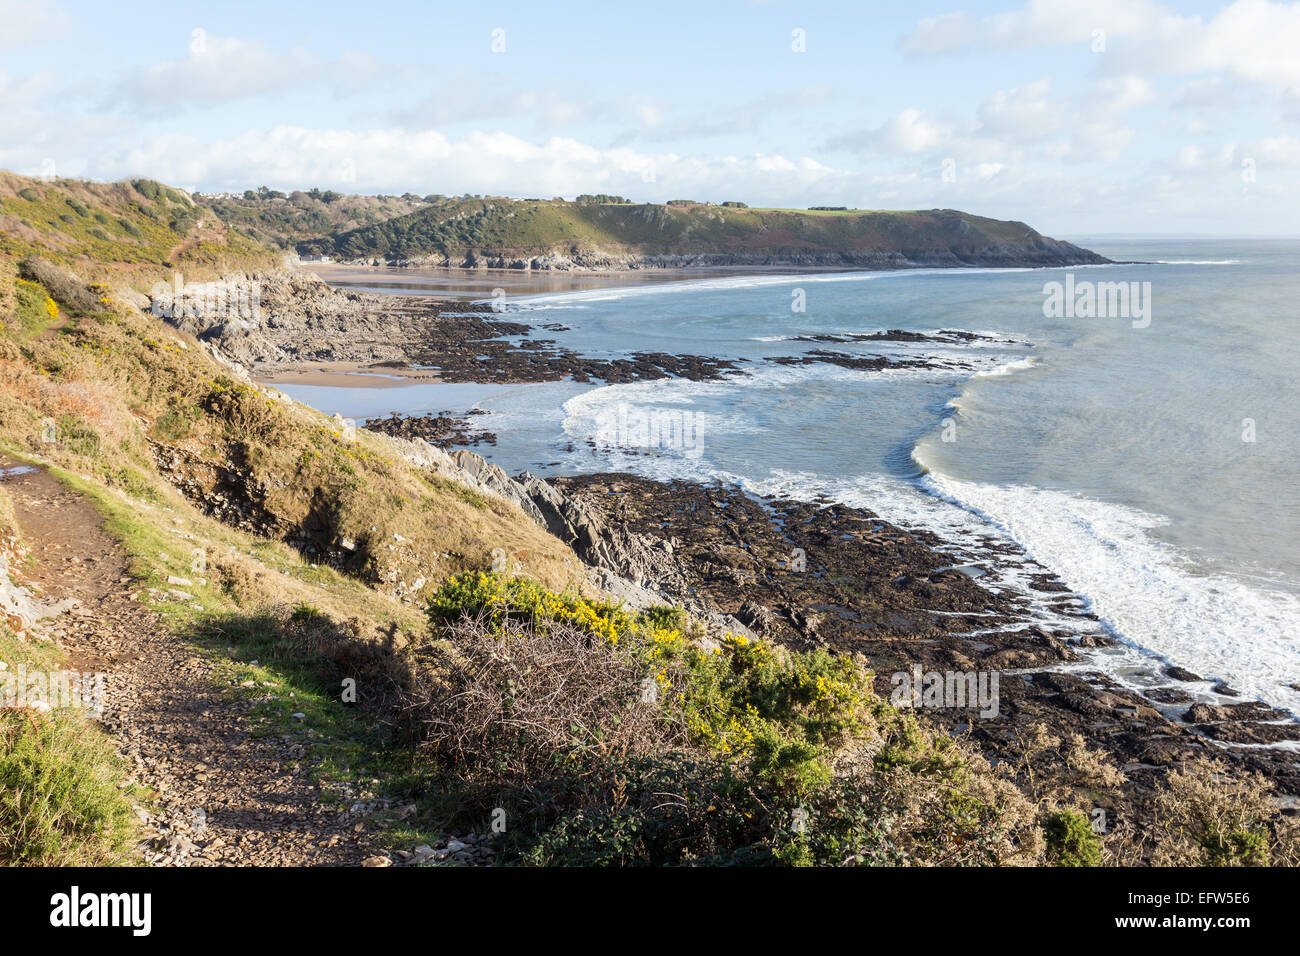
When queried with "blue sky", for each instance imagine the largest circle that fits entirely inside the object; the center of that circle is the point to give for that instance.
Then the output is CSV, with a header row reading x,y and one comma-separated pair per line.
x,y
1077,117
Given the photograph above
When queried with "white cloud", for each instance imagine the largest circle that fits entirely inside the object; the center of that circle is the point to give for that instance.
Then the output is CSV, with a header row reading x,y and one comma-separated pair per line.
x,y
1038,23
219,70
394,160
1256,40
28,22
908,131
1017,124
1206,93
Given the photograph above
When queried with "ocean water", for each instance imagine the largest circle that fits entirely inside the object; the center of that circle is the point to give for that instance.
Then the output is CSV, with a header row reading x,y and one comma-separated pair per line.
x,y
1151,462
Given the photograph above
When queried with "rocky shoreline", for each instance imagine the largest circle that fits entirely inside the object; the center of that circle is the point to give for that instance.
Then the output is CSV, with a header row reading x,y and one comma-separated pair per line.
x,y
827,575
304,328
444,430
804,575
302,322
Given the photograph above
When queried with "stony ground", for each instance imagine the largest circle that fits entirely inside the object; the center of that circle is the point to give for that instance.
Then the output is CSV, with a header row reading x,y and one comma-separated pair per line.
x,y
222,795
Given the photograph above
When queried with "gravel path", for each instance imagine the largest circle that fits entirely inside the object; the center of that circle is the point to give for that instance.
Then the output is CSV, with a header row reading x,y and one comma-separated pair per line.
x,y
224,797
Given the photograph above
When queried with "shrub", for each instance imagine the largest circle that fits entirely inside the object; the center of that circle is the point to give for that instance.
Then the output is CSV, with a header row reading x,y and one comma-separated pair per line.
x,y
498,599
1071,840
744,699
35,309
612,739
1206,816
512,702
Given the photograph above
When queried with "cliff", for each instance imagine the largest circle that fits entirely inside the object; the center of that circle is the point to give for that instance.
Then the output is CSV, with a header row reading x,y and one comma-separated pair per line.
x,y
560,235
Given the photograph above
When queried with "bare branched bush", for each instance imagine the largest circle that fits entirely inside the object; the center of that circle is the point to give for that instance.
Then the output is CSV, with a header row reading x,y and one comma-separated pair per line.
x,y
1055,772
510,703
65,287
1212,814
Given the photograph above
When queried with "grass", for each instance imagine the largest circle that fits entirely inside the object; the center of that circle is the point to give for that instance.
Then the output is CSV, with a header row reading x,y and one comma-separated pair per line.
x,y
120,385
250,621
119,229
62,802
106,382
521,228
284,223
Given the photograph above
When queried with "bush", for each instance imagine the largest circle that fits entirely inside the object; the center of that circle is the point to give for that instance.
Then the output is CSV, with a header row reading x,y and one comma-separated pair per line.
x,y
498,600
612,739
63,287
1206,816
35,310
513,703
1071,840
743,699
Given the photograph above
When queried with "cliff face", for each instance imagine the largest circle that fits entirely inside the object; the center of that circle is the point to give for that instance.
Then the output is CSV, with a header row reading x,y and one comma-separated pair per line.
x,y
537,234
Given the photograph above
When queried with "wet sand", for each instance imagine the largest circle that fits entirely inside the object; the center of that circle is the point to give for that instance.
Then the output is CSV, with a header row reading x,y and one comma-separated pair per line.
x,y
345,375
476,284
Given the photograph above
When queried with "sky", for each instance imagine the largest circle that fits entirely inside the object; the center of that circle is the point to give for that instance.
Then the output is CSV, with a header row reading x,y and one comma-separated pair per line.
x,y
1080,118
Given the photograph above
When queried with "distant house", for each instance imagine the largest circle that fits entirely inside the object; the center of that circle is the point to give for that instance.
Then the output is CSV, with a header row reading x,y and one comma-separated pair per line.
x,y
316,259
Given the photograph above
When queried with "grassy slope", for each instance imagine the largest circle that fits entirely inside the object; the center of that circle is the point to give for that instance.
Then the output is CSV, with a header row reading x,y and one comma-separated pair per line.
x,y
121,389
117,384
529,227
283,223
129,233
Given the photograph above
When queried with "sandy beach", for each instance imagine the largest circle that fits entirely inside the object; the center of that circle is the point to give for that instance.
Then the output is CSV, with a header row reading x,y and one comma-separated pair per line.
x,y
344,375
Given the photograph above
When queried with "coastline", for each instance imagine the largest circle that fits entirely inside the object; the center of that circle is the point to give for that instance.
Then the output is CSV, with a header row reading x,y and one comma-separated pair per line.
x,y
824,574
933,615
476,283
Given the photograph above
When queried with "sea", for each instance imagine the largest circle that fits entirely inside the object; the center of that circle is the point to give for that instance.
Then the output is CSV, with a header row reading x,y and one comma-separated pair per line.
x,y
1133,428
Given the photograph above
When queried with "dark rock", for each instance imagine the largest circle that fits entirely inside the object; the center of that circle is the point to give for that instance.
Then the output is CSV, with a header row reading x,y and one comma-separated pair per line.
x,y
755,616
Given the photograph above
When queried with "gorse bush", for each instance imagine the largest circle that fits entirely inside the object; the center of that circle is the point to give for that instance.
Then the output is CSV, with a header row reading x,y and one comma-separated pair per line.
x,y
35,309
499,600
786,713
615,737
1207,816
1071,840
513,703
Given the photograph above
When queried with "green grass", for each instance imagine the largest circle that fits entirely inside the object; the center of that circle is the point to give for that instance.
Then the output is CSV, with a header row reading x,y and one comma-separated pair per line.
x,y
140,224
36,311
263,658
527,227
61,799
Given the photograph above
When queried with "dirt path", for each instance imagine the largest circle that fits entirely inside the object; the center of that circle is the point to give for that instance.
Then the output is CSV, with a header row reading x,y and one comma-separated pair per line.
x,y
223,796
